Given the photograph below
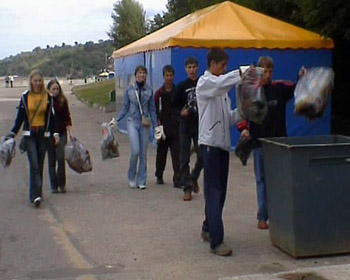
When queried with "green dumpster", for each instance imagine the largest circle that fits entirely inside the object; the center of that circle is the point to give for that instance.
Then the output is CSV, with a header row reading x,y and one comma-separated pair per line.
x,y
308,192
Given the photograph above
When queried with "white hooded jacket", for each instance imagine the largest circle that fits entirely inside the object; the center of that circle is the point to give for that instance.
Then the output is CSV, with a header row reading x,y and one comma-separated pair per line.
x,y
214,109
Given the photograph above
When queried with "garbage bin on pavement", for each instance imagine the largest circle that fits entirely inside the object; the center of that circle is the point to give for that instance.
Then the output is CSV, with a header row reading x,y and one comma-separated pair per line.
x,y
308,192
112,97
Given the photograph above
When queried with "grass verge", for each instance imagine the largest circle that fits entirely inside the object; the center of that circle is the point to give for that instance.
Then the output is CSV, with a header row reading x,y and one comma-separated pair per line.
x,y
95,93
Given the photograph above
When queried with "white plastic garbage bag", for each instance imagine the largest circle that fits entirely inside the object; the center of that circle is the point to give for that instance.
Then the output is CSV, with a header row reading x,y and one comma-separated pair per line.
x,y
250,97
109,144
312,92
159,133
77,156
7,151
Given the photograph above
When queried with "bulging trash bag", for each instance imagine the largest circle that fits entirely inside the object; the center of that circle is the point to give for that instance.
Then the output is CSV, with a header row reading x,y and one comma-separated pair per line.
x,y
109,144
312,91
77,156
7,151
250,97
243,149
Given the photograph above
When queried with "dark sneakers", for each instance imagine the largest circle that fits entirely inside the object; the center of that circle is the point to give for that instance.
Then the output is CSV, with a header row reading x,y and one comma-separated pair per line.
x,y
63,189
160,181
37,201
54,190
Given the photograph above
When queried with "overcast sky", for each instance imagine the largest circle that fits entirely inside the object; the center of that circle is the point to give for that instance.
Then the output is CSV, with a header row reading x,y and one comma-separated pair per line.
x,y
26,24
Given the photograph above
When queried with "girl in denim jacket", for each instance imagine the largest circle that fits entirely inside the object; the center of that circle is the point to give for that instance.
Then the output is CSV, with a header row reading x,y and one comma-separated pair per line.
x,y
138,102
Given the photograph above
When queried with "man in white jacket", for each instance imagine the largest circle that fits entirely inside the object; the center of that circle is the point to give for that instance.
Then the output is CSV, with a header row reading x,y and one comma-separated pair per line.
x,y
215,119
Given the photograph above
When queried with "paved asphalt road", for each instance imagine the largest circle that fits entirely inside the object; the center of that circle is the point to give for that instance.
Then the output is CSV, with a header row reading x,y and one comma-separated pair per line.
x,y
101,229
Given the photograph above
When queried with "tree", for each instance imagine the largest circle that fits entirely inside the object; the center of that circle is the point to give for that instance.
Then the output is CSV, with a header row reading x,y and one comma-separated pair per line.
x,y
329,17
156,23
37,49
129,22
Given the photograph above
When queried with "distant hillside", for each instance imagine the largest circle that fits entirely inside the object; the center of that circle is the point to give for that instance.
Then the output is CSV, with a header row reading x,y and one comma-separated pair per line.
x,y
79,60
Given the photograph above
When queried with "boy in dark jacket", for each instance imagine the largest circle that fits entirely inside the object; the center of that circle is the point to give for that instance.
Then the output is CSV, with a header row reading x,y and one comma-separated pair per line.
x,y
168,116
277,94
185,101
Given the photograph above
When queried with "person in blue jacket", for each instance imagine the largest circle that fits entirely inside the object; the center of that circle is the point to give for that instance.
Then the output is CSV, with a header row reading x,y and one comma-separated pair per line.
x,y
139,106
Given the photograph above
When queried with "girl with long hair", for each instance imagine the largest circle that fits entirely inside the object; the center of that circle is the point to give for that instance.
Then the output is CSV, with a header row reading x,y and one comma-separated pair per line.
x,y
56,152
35,112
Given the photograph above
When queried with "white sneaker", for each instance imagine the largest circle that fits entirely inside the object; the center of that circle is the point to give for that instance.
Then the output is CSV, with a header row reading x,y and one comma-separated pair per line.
x,y
142,187
132,184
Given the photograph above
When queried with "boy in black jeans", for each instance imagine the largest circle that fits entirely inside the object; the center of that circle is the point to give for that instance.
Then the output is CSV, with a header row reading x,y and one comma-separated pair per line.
x,y
168,116
185,101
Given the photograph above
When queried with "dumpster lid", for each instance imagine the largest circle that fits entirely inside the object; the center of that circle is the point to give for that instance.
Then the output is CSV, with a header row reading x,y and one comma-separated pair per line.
x,y
309,141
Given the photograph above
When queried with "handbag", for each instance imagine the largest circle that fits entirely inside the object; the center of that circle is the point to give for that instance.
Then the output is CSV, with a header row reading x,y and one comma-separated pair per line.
x,y
22,142
146,122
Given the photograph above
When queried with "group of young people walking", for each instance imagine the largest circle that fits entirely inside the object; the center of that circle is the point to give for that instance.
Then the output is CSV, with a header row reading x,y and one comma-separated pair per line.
x,y
174,108
196,116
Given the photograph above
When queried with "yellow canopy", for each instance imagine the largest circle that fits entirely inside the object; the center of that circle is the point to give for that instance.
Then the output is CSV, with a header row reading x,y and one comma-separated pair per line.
x,y
227,25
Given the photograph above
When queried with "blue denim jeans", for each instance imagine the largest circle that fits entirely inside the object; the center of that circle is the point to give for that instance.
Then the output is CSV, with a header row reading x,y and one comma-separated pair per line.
x,y
36,146
56,155
260,184
138,138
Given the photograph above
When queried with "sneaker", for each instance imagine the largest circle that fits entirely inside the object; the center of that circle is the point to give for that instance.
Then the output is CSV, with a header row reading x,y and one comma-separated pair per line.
x,y
160,181
263,225
205,236
142,187
54,190
222,250
187,196
37,201
132,184
63,189
195,187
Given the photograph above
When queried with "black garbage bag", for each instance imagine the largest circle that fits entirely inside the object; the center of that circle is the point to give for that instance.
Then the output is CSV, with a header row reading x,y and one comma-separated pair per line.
x,y
109,144
243,149
7,151
77,156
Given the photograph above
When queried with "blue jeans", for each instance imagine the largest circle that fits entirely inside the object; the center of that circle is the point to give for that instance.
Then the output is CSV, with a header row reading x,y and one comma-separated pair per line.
x,y
216,165
260,184
138,138
36,146
56,154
